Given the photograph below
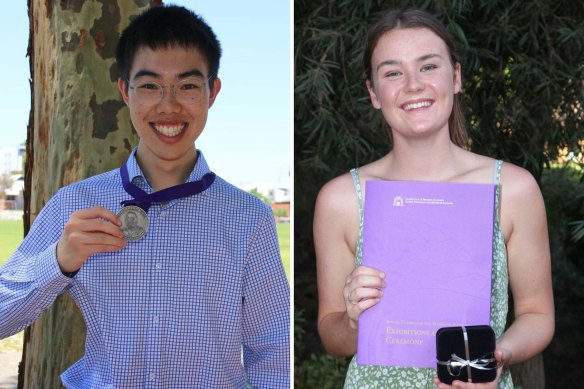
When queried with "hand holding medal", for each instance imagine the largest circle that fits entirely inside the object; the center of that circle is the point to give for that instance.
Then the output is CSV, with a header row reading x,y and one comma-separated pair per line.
x,y
88,231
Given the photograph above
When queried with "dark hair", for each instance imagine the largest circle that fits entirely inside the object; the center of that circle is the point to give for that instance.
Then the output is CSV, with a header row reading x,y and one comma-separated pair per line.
x,y
415,18
166,26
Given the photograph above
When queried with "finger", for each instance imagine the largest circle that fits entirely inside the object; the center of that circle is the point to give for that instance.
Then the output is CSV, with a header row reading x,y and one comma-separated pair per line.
x,y
501,356
457,384
366,304
439,384
100,239
76,243
96,213
95,225
104,226
355,311
365,270
365,293
367,281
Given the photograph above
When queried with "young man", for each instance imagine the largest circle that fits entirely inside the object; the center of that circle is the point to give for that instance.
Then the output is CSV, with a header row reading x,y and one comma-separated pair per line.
x,y
177,273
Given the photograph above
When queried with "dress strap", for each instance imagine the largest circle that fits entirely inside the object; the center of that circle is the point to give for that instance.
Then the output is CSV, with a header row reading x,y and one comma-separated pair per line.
x,y
497,182
357,184
497,172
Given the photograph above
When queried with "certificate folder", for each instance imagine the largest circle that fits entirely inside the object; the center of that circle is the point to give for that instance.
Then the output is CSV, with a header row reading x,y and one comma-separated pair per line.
x,y
434,241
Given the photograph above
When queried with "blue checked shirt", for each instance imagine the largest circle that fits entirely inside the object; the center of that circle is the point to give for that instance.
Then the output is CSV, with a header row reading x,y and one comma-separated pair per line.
x,y
201,301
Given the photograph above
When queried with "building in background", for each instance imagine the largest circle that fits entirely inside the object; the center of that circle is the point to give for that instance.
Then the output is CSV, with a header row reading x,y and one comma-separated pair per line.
x,y
12,198
12,178
12,159
278,196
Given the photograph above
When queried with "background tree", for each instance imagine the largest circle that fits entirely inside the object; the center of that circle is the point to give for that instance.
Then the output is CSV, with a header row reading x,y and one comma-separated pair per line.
x,y
255,192
6,182
523,66
78,127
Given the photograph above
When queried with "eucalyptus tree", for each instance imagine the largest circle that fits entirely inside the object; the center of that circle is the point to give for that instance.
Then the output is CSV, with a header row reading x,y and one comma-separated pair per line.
x,y
78,127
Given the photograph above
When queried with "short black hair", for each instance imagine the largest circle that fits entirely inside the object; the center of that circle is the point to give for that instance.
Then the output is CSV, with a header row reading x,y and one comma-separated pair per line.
x,y
166,26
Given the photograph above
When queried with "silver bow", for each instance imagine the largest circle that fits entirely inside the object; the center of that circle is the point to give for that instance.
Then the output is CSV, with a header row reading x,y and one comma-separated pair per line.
x,y
479,363
457,362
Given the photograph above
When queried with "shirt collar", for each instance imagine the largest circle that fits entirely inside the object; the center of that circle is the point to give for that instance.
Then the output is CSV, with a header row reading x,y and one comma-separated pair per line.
x,y
134,172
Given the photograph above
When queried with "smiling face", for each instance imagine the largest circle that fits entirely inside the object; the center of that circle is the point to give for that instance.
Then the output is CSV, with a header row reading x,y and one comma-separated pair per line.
x,y
413,82
169,127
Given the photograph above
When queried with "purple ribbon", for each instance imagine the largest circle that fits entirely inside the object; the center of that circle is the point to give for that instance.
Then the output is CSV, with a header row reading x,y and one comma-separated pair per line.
x,y
145,200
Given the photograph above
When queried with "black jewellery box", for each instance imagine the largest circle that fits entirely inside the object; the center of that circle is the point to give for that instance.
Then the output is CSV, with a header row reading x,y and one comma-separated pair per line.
x,y
466,354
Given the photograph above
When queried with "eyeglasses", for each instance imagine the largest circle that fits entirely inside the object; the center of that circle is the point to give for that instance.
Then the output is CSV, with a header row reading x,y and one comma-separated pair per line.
x,y
187,91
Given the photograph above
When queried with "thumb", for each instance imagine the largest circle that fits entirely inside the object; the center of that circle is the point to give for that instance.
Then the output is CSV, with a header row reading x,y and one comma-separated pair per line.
x,y
502,356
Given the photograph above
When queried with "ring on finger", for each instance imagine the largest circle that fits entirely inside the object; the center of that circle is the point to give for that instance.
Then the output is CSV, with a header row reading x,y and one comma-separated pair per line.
x,y
350,300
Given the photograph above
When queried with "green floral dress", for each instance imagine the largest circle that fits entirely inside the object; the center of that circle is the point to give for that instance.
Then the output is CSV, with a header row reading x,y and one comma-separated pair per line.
x,y
387,377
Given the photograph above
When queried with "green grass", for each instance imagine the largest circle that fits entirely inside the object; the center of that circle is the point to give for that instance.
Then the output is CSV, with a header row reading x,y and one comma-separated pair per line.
x,y
10,237
284,238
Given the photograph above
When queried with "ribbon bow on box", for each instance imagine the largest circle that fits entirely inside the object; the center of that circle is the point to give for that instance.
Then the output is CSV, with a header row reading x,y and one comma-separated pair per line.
x,y
455,364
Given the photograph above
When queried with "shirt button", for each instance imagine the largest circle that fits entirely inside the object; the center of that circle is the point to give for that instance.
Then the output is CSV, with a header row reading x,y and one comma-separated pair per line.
x,y
162,213
155,319
159,265
152,376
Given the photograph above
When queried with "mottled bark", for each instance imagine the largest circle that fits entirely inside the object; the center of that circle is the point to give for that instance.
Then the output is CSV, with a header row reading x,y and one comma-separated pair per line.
x,y
78,127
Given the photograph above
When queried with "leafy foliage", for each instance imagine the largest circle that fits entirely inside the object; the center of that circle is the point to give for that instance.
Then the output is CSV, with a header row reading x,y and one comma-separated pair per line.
x,y
318,370
523,66
563,192
255,192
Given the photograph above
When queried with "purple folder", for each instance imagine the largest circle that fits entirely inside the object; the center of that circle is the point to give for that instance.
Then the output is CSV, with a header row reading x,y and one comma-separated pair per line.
x,y
434,241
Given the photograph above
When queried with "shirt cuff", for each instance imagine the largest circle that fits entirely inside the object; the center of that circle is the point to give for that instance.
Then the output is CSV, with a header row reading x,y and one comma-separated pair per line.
x,y
48,271
70,274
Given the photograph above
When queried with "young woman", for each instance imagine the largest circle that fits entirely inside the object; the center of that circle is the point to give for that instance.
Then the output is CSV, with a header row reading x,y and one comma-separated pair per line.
x,y
414,77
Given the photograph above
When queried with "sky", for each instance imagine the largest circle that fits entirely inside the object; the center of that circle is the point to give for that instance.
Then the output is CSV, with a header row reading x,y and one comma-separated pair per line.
x,y
247,139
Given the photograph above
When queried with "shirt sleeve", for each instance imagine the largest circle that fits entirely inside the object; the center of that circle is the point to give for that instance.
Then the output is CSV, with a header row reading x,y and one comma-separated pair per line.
x,y
266,310
31,278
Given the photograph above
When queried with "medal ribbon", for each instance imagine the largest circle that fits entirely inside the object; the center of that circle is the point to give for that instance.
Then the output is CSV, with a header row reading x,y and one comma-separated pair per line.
x,y
145,200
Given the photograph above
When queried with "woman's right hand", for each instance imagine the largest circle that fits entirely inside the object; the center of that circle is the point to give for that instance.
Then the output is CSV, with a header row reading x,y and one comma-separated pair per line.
x,y
363,289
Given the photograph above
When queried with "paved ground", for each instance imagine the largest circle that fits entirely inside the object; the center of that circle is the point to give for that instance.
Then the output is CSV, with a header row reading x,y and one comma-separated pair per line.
x,y
9,369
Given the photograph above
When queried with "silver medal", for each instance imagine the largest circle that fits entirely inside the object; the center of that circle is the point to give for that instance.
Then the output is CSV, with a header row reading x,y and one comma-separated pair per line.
x,y
134,222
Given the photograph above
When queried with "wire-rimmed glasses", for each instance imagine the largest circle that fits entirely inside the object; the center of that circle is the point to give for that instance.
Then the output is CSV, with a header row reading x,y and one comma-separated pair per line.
x,y
186,91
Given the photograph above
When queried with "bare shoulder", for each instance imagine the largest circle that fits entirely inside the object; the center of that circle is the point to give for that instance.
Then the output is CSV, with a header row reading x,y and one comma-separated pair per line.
x,y
336,215
517,182
337,209
522,205
337,192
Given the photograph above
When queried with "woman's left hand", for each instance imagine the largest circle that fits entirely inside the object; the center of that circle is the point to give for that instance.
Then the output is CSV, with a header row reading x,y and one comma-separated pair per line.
x,y
501,355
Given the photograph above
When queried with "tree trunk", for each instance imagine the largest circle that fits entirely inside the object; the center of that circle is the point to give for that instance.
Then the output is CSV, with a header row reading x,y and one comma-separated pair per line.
x,y
78,127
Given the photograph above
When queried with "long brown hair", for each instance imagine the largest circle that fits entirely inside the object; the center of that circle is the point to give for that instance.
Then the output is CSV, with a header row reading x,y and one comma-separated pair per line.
x,y
415,18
